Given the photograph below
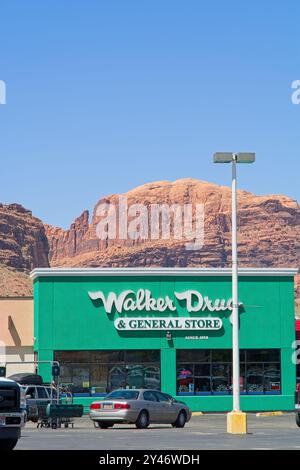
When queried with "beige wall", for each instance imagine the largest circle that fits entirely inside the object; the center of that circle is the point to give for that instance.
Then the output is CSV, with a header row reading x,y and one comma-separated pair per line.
x,y
16,333
20,355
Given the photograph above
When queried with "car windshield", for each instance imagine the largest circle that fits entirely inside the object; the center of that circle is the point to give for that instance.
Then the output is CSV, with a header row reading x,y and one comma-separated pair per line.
x,y
123,395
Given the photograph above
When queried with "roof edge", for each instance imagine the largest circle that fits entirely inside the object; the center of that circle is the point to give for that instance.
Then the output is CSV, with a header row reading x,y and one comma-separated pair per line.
x,y
58,272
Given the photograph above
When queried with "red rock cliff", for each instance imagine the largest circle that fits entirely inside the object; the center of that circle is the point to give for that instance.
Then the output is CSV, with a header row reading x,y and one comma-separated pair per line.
x,y
269,231
23,241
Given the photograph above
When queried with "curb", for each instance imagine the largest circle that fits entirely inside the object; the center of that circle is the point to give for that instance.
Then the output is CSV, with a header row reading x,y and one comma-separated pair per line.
x,y
197,413
270,413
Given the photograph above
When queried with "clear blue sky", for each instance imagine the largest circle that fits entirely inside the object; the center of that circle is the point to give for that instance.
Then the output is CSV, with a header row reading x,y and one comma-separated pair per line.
x,y
105,95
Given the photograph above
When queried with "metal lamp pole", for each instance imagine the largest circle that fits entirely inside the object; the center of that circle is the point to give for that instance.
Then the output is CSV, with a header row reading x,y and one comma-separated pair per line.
x,y
236,420
235,302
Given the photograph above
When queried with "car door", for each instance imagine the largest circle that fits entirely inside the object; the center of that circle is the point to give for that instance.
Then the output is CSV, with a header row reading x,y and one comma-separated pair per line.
x,y
167,410
152,405
42,400
31,405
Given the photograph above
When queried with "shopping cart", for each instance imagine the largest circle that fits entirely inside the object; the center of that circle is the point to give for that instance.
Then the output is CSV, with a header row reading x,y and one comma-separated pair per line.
x,y
60,412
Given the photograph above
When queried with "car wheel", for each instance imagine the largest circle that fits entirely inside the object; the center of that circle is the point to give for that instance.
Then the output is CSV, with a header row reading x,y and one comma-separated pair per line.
x,y
180,421
143,420
104,425
8,444
298,419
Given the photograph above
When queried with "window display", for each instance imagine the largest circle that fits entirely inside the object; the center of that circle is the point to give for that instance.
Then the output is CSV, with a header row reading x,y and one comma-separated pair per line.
x,y
255,378
213,375
99,372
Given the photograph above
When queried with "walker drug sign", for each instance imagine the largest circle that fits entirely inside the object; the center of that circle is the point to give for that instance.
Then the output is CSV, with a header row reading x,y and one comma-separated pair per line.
x,y
142,300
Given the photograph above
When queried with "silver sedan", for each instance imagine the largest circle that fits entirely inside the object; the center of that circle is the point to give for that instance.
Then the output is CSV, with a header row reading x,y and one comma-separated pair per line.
x,y
140,407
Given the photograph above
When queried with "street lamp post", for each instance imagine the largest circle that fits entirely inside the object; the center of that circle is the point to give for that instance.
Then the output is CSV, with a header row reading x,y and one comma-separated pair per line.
x,y
236,420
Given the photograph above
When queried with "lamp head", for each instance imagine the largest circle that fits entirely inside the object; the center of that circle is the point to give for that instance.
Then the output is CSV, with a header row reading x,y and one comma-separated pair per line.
x,y
229,157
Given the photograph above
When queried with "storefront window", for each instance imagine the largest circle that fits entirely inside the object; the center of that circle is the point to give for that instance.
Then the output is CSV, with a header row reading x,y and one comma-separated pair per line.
x,y
205,372
81,378
202,379
98,377
66,372
202,385
105,357
193,355
272,377
202,370
142,356
221,355
220,378
116,377
263,355
185,379
255,378
73,356
99,372
152,376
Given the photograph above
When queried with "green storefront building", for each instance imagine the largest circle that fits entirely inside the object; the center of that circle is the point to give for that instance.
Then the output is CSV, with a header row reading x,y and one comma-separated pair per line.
x,y
170,329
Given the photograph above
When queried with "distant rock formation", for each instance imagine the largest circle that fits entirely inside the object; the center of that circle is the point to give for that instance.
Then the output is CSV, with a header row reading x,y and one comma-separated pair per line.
x,y
23,246
269,233
23,241
14,283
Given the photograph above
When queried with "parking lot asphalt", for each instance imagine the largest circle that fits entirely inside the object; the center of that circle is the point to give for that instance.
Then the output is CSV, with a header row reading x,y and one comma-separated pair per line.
x,y
203,432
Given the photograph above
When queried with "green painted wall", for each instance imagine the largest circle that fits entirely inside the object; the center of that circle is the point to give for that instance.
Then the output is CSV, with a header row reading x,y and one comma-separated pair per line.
x,y
66,319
